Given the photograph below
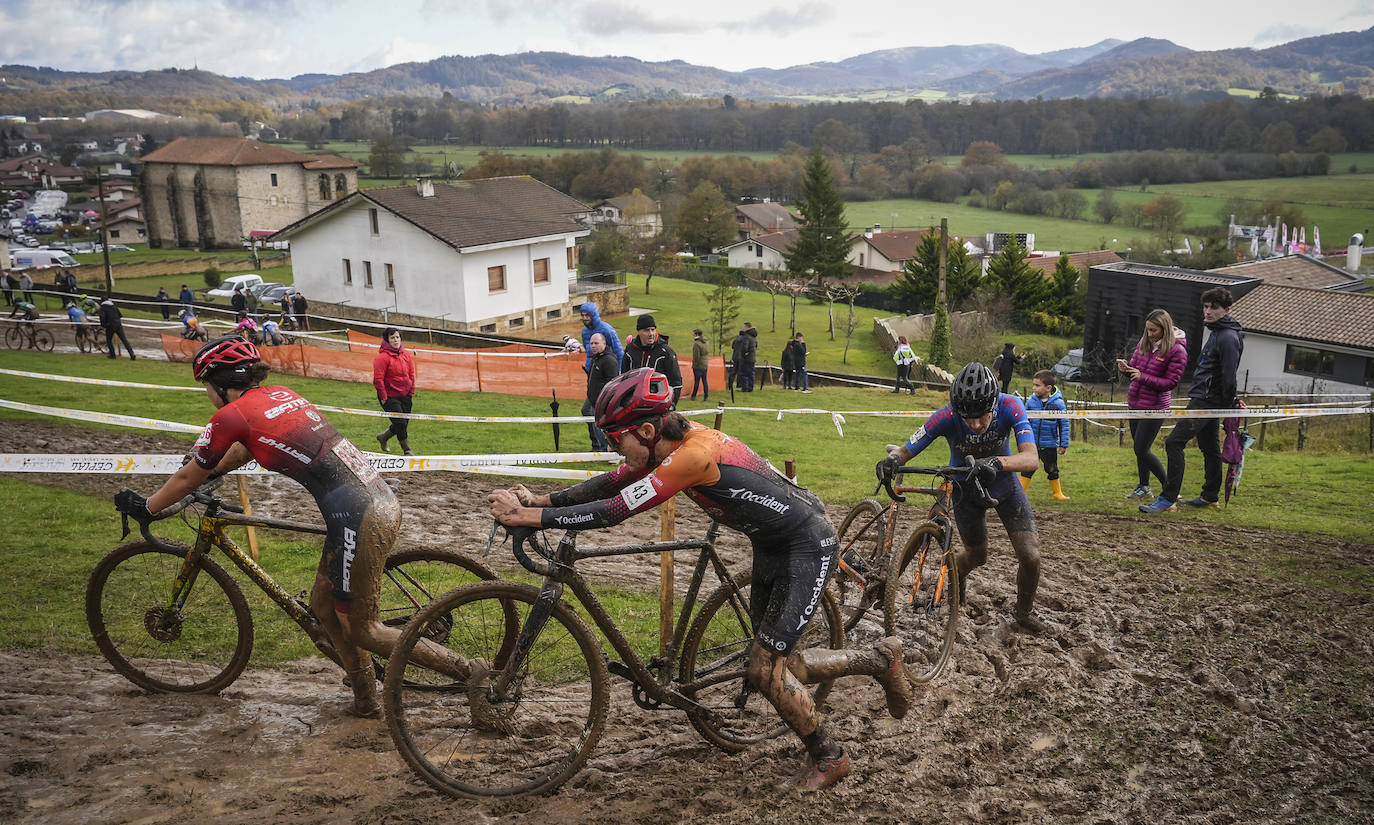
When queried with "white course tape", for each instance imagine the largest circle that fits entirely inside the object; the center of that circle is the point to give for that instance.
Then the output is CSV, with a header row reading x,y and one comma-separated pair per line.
x,y
74,379
124,464
103,418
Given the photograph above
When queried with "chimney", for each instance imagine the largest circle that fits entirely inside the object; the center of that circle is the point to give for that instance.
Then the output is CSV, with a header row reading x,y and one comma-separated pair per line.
x,y
868,232
424,186
1353,252
877,228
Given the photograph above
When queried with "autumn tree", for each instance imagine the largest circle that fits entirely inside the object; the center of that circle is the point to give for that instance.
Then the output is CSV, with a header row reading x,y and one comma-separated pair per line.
x,y
722,308
705,220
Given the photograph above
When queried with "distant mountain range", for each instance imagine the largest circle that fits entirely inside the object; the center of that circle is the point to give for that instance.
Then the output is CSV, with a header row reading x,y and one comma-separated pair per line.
x,y
1145,67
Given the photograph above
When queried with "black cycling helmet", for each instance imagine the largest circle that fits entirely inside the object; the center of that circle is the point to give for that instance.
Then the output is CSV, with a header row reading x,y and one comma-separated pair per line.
x,y
632,397
974,391
226,363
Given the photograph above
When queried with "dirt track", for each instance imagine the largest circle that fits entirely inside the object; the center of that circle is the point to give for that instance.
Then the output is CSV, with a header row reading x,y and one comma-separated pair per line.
x,y
1192,674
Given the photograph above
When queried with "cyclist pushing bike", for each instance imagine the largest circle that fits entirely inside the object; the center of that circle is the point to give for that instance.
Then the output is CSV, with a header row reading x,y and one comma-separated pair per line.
x,y
285,433
793,542
979,423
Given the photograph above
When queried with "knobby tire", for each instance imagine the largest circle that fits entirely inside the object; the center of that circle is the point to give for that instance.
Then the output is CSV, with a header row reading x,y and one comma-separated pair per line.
x,y
861,537
921,602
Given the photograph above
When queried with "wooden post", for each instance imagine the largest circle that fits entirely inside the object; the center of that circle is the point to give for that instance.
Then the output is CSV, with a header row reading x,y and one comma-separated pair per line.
x,y
1371,422
667,531
248,511
1264,423
720,414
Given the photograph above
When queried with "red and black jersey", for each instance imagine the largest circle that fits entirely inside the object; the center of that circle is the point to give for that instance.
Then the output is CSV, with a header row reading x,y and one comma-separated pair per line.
x,y
285,434
728,480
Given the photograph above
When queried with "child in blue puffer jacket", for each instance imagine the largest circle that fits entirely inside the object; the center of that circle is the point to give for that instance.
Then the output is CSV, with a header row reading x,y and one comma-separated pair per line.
x,y
1051,434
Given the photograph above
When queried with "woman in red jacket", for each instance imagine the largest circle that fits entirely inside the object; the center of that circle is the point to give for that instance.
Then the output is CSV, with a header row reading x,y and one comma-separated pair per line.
x,y
1154,369
393,374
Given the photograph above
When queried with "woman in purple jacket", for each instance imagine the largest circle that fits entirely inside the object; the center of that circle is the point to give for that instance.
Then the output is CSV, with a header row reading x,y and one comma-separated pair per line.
x,y
1154,369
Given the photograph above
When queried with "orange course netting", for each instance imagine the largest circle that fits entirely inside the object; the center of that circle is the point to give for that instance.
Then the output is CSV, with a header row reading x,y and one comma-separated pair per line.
x,y
513,369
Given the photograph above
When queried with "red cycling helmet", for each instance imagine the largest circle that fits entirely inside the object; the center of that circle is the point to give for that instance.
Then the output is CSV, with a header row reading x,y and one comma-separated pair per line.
x,y
632,397
226,362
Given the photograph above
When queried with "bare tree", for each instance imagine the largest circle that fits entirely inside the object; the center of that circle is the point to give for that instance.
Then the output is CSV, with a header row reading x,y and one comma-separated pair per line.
x,y
846,293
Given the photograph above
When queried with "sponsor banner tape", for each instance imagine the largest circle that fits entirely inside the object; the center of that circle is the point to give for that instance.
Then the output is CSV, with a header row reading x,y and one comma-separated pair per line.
x,y
125,464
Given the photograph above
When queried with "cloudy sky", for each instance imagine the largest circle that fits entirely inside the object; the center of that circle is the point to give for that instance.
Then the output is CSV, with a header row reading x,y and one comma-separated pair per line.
x,y
281,38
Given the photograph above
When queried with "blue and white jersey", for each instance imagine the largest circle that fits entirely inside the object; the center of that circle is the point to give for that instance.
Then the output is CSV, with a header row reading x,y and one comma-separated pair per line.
x,y
1008,417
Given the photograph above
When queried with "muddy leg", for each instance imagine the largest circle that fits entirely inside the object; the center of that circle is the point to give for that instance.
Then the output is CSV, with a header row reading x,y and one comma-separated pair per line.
x,y
969,559
1027,547
883,662
827,762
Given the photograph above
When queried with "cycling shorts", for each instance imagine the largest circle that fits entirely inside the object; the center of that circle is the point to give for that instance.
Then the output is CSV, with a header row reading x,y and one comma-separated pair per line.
x,y
360,528
788,580
1012,507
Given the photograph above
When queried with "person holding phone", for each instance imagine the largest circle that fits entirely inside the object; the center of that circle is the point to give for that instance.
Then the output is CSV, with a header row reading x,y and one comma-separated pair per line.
x,y
1154,369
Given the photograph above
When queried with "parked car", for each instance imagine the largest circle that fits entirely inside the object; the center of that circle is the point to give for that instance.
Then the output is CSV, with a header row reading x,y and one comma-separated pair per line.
x,y
273,295
40,258
1070,367
226,287
259,289
119,247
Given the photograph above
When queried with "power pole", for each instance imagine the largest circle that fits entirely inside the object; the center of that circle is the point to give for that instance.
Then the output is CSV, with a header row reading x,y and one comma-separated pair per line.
x,y
104,241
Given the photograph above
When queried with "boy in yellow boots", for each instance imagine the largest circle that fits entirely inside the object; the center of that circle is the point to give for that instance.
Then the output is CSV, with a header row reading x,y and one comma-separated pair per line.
x,y
1051,434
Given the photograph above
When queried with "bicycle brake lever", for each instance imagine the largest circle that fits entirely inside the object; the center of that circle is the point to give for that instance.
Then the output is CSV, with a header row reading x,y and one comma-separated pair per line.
x,y
491,538
125,518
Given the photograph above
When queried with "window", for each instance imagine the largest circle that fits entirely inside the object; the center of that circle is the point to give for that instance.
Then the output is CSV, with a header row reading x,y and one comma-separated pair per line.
x,y
758,250
572,258
1369,372
367,274
516,323
372,217
541,270
1309,361
390,277
324,187
488,328
555,314
348,272
114,233
496,279
274,178
861,259
340,186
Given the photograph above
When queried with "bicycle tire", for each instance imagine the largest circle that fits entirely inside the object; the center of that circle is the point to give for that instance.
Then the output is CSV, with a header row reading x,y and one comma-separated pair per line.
x,y
203,647
14,339
921,602
539,735
861,537
84,342
43,340
714,659
415,577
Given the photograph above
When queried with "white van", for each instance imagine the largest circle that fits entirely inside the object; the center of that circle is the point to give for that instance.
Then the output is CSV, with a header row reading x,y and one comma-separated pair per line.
x,y
30,258
226,289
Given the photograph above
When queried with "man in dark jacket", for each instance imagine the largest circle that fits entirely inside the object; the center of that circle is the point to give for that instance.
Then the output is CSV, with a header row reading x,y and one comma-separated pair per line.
x,y
592,323
701,362
789,366
111,320
1005,364
238,302
649,349
601,369
745,348
298,309
186,297
1214,388
800,381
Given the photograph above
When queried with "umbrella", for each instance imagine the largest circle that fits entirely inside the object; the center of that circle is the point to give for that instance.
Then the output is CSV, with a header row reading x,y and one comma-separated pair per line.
x,y
1233,446
90,213
553,408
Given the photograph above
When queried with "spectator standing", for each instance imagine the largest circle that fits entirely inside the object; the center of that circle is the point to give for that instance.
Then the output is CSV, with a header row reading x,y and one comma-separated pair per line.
x,y
393,374
299,306
649,349
701,362
747,354
602,368
237,301
250,303
70,281
1154,369
1214,388
789,365
286,310
7,286
800,381
164,300
111,320
1005,364
592,323
904,358
1051,434
26,285
186,298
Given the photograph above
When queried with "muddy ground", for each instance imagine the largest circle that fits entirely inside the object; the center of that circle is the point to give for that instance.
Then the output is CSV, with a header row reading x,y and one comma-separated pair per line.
x,y
1191,674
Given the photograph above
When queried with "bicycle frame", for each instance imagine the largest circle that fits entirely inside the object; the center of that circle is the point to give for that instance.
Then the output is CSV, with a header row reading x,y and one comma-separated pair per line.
x,y
558,571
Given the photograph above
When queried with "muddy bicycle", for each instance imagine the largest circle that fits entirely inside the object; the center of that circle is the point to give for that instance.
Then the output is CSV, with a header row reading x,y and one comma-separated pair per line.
x,y
25,334
169,618
534,704
912,594
86,338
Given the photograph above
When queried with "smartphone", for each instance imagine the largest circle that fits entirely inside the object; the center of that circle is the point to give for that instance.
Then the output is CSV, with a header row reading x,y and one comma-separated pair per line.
x,y
1121,363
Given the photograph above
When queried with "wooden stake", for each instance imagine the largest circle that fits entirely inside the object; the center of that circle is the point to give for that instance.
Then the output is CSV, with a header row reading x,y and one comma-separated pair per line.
x,y
248,511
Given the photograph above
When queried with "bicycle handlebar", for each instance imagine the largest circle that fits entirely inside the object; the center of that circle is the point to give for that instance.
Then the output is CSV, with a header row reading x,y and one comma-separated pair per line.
x,y
201,495
948,472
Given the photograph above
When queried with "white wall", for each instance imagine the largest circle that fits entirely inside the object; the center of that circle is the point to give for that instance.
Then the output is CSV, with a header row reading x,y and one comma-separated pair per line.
x,y
1264,358
742,256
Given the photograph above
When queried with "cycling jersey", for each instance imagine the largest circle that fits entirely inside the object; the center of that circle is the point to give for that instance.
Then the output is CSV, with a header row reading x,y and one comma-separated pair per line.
x,y
286,434
793,540
76,315
1009,417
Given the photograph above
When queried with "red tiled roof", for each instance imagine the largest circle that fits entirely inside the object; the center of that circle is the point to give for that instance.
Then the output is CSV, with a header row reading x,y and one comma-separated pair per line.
x,y
896,245
770,216
1080,260
213,151
1291,270
1320,315
329,162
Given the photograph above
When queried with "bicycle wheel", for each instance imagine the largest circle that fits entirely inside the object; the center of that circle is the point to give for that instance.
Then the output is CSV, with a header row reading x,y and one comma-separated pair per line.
x,y
43,340
715,655
84,342
14,339
200,648
921,601
414,578
476,742
858,589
